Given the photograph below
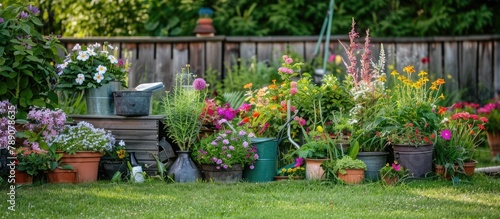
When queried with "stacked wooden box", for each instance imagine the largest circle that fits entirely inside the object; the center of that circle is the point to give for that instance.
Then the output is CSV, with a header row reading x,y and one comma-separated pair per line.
x,y
141,134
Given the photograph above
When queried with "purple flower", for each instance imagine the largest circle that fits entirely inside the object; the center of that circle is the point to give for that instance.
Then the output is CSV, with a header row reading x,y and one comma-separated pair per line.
x,y
199,84
1,20
219,161
231,148
225,166
225,141
252,167
256,156
23,15
242,133
245,144
446,134
228,155
214,143
33,9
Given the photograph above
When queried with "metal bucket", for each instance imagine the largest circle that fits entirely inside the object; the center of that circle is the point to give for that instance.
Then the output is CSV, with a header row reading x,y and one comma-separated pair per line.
x,y
100,100
418,160
132,103
374,162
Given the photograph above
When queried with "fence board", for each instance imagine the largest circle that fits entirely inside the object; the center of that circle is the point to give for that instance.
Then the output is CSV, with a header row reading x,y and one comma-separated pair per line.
x,y
436,60
468,66
164,65
448,55
485,85
451,68
248,50
496,66
197,58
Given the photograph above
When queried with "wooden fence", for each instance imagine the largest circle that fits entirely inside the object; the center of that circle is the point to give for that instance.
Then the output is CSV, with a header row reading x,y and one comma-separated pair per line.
x,y
469,64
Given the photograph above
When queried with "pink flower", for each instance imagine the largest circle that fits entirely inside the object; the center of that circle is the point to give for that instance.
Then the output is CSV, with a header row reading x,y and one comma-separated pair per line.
x,y
288,60
199,84
284,57
293,84
302,122
396,167
331,58
293,91
299,161
446,134
252,167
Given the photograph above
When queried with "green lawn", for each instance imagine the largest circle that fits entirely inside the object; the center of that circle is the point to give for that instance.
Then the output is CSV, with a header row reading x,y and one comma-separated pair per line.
x,y
478,197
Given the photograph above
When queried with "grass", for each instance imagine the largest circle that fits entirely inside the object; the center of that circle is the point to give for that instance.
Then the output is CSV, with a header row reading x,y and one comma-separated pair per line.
x,y
477,197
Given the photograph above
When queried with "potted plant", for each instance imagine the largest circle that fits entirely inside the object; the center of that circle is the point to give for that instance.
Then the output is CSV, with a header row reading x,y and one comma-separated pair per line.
x,y
492,112
183,106
26,59
204,27
82,146
224,154
115,161
30,162
58,172
96,71
297,171
460,135
391,174
351,171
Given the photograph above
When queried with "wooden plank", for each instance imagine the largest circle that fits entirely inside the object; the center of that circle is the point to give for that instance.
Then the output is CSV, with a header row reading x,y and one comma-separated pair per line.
x,y
496,67
144,65
141,145
468,71
436,60
248,50
420,52
214,56
231,53
264,52
135,134
279,49
164,65
142,154
404,56
122,124
297,48
179,58
485,76
451,66
309,50
197,58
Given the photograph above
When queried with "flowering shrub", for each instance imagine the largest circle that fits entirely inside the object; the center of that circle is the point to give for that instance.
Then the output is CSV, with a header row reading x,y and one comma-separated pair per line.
x,y
458,137
88,67
118,152
212,113
84,137
32,161
26,59
492,112
226,148
42,127
265,110
393,170
410,111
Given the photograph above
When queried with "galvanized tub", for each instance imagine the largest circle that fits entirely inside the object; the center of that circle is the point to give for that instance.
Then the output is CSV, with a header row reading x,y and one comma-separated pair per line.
x,y
132,103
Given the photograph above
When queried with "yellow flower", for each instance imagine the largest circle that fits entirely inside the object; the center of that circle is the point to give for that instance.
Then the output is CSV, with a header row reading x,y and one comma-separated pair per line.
x,y
410,69
305,88
391,67
319,129
394,73
442,96
382,78
422,73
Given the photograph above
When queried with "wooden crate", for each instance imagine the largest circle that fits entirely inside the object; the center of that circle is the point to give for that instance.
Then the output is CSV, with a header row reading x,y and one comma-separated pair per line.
x,y
141,134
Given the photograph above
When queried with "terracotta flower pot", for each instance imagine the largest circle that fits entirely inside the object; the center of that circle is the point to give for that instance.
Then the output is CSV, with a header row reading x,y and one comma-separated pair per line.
x,y
314,169
390,181
85,162
352,176
23,177
494,143
61,176
469,167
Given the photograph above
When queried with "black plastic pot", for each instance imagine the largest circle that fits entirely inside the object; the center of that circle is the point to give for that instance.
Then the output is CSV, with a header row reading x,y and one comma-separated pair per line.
x,y
132,103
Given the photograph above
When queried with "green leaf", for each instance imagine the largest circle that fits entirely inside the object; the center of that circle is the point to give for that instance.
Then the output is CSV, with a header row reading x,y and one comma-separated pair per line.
x,y
3,87
36,21
35,59
26,28
38,102
353,151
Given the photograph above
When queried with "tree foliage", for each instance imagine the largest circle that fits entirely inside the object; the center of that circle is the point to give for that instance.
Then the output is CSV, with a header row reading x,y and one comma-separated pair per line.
x,y
386,18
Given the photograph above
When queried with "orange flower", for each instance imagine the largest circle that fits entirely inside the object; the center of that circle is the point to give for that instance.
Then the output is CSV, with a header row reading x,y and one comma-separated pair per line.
x,y
442,110
246,120
410,69
255,114
249,85
440,81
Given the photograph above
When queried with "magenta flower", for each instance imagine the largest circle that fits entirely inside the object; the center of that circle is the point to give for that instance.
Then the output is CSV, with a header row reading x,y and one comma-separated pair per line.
x,y
396,167
293,91
299,161
446,134
199,84
302,122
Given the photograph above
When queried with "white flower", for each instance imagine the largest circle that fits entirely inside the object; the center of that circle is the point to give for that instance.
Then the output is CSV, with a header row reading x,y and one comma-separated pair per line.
x,y
98,77
122,143
112,59
91,52
80,78
77,47
101,69
83,56
110,46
